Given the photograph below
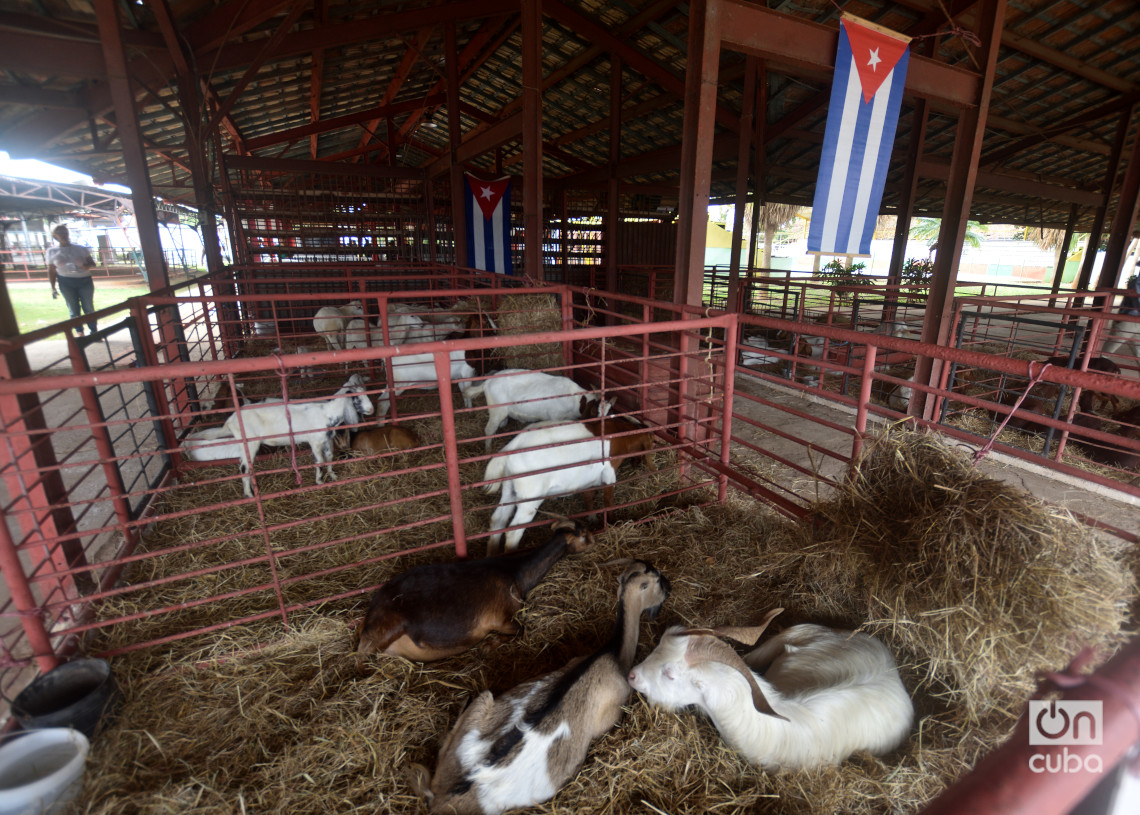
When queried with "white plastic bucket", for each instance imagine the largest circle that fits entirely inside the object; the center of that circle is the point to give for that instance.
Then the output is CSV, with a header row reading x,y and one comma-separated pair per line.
x,y
41,771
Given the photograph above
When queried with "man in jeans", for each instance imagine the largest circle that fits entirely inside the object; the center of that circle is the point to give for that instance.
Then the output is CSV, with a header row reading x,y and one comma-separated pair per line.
x,y
70,266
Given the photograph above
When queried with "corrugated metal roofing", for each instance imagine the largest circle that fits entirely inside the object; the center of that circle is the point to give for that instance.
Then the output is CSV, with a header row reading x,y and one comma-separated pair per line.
x,y
1062,62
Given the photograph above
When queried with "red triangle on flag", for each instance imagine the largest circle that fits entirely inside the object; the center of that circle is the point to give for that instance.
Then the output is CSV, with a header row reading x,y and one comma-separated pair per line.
x,y
875,54
488,193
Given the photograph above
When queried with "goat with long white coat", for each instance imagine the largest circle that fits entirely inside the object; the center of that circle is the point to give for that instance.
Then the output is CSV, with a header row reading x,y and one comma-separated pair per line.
x,y
528,396
808,697
520,749
548,459
276,424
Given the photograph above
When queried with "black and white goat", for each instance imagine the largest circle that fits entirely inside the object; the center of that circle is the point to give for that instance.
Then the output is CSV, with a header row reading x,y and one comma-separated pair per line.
x,y
520,749
810,696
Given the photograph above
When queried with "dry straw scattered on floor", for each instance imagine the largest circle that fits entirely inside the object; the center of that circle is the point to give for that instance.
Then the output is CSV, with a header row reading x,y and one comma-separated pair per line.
x,y
973,585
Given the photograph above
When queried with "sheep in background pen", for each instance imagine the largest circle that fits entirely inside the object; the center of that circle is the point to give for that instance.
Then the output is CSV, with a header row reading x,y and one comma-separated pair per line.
x,y
520,749
548,459
808,697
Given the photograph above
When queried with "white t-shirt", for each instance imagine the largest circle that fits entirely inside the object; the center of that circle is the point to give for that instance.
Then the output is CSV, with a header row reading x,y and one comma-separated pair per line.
x,y
69,260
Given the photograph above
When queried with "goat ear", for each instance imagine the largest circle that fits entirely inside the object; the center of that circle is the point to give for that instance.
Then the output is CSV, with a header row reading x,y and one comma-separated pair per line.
x,y
709,649
746,635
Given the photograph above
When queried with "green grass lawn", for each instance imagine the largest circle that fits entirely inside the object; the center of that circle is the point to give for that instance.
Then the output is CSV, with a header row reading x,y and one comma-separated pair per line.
x,y
35,309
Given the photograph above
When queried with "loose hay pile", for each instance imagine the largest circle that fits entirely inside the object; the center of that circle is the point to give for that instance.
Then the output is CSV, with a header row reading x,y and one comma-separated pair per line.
x,y
530,314
973,585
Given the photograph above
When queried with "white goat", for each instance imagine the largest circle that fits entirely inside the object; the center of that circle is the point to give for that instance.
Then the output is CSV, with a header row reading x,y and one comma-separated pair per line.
x,y
822,694
582,462
330,322
276,424
418,371
528,396
520,749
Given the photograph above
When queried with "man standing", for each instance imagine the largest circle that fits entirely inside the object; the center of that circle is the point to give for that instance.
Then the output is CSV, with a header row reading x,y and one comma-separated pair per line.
x,y
70,266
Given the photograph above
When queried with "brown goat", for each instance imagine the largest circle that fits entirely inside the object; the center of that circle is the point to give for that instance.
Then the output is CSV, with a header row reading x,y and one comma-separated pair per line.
x,y
377,440
624,440
438,610
1096,450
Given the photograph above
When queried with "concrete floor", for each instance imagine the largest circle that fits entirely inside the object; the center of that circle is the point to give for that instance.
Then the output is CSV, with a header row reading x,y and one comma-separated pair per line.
x,y
1086,498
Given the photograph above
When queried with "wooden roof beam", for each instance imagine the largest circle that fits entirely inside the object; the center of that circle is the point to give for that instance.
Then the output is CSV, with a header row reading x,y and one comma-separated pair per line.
x,y
399,77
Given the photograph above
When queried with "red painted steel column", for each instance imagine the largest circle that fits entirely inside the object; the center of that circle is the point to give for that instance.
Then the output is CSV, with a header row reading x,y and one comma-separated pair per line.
x,y
613,210
701,77
959,197
743,153
1014,780
531,30
134,155
865,384
29,611
451,452
1120,233
1109,182
455,141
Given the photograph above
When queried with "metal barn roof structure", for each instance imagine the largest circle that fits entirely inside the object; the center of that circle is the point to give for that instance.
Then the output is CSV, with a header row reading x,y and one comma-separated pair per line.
x,y
426,86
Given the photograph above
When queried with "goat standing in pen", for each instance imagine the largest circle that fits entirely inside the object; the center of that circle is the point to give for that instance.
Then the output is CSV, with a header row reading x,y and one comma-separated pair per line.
x,y
330,322
520,749
528,396
549,459
808,697
438,610
274,423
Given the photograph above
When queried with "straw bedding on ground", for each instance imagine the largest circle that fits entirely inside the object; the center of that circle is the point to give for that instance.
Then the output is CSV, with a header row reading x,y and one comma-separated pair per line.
x,y
974,586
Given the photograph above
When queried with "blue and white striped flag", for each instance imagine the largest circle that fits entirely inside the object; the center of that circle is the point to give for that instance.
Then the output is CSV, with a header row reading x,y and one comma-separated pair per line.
x,y
489,224
866,93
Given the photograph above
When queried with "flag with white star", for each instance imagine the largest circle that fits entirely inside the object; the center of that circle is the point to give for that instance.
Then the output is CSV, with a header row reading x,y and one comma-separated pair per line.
x,y
866,94
489,224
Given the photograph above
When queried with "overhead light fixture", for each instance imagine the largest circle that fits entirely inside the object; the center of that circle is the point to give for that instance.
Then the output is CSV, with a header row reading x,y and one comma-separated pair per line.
x,y
429,120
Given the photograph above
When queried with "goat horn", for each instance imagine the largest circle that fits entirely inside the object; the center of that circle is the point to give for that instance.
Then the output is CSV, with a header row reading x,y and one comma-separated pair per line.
x,y
709,649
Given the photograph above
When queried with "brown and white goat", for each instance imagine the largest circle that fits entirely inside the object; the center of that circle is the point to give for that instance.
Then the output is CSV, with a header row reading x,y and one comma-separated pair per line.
x,y
626,438
520,749
438,610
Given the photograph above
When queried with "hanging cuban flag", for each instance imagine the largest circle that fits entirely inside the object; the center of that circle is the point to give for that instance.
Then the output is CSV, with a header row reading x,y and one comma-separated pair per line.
x,y
866,94
489,224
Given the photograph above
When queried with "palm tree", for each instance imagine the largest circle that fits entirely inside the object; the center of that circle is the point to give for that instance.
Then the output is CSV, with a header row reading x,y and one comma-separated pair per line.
x,y
771,218
926,229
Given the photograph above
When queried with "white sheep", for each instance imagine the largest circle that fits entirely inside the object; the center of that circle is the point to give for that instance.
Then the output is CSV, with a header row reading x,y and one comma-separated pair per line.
x,y
520,749
548,459
330,322
276,424
528,396
808,697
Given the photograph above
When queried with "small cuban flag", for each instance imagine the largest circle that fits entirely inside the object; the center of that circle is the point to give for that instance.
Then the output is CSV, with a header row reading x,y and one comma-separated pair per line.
x,y
489,224
866,94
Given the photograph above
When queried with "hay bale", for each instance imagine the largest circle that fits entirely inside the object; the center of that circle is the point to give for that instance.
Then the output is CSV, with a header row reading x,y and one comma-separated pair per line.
x,y
529,314
984,584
